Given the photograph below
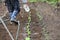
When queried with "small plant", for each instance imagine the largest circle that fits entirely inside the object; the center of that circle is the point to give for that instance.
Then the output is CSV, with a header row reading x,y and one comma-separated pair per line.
x,y
45,33
27,38
28,29
39,16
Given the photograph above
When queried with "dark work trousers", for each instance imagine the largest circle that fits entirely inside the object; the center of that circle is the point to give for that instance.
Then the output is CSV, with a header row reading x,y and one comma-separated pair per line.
x,y
12,5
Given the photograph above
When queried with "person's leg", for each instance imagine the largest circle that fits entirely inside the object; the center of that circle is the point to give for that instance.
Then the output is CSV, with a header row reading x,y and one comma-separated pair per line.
x,y
9,7
16,10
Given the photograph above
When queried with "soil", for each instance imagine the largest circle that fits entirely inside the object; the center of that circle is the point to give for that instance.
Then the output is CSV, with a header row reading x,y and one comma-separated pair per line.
x,y
50,21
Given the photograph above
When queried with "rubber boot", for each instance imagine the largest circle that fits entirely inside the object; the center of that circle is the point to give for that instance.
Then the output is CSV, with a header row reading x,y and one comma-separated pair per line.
x,y
13,16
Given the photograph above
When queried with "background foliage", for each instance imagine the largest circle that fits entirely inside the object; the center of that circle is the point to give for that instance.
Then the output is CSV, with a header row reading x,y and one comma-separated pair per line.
x,y
53,2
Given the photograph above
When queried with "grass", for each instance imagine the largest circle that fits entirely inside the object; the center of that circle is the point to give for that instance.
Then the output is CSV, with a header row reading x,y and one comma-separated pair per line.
x,y
52,2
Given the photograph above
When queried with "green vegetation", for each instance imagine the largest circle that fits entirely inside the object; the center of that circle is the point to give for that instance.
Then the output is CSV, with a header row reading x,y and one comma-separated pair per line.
x,y
53,2
44,31
27,38
28,27
32,0
58,0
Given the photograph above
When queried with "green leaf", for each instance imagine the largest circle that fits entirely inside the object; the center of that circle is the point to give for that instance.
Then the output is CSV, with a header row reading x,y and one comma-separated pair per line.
x,y
27,38
29,32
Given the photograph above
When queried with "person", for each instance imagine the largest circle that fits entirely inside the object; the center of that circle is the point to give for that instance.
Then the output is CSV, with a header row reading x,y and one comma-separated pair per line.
x,y
13,7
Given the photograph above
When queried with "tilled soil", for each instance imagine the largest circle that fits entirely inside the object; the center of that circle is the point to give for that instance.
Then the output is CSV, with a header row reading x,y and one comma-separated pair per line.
x,y
50,21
